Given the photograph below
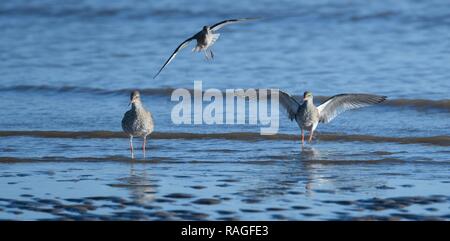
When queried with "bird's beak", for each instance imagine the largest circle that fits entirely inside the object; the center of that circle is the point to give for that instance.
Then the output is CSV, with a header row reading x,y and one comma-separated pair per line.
x,y
132,101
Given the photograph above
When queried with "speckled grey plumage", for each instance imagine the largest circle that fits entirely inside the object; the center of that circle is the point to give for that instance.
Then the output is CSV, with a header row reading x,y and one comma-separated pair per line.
x,y
137,121
307,115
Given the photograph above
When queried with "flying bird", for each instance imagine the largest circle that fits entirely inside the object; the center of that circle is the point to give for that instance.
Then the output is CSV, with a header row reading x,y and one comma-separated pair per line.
x,y
205,39
308,116
137,121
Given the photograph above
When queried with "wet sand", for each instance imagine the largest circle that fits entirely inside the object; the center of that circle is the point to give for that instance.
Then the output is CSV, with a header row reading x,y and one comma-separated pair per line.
x,y
300,185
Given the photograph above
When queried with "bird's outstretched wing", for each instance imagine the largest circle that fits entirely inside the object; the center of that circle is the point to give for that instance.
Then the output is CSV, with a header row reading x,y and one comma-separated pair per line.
x,y
337,104
290,104
180,47
220,25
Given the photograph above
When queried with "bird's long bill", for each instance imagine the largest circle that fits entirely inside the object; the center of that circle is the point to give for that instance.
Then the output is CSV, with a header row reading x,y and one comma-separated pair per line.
x,y
132,101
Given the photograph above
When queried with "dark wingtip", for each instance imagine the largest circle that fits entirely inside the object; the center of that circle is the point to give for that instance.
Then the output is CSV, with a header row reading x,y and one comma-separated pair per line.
x,y
285,93
156,75
382,98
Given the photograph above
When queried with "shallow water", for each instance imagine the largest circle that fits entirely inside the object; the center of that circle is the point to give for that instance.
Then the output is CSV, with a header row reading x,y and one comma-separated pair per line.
x,y
64,90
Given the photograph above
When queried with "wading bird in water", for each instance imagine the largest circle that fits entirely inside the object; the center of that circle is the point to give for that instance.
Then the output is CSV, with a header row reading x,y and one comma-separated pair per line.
x,y
137,121
205,39
308,116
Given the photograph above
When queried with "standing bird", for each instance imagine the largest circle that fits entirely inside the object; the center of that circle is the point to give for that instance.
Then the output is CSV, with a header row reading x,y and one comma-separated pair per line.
x,y
308,116
137,121
205,39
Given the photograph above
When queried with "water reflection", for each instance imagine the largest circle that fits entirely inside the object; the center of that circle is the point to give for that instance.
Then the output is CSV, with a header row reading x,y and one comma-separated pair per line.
x,y
142,188
306,158
309,153
284,176
332,171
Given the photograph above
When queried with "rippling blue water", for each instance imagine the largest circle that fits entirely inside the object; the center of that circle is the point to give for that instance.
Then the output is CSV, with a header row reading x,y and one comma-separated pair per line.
x,y
69,66
397,48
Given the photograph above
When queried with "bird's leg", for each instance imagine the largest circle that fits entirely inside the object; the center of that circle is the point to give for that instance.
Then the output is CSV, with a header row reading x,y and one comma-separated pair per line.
x,y
131,147
303,137
143,145
209,55
310,136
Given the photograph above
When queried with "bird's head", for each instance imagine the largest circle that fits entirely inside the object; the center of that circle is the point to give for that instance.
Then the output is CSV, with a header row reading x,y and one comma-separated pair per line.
x,y
307,96
135,97
205,28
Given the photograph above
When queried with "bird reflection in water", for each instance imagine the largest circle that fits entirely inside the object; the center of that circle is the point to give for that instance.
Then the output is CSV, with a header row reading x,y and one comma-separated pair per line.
x,y
142,188
309,153
308,156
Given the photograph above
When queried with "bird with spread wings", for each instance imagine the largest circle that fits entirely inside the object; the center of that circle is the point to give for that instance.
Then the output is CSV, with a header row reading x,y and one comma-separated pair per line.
x,y
308,116
205,39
